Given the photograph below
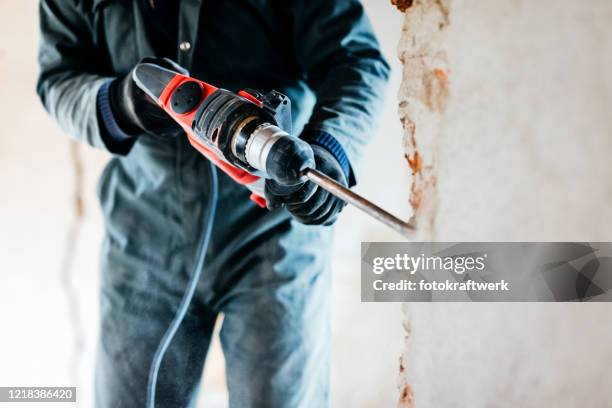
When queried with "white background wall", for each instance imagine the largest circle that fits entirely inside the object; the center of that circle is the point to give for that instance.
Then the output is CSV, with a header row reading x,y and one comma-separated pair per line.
x,y
37,336
521,153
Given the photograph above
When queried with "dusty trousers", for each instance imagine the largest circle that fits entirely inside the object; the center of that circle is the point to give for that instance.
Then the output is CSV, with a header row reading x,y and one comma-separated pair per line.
x,y
266,274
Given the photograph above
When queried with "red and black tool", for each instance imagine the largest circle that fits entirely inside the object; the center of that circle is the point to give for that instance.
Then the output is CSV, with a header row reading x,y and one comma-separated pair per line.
x,y
247,135
244,134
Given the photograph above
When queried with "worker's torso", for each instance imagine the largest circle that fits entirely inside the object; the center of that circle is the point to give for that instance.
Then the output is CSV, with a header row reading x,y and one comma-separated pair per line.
x,y
232,44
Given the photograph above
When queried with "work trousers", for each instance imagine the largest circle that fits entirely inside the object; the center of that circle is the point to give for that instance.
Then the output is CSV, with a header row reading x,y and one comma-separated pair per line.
x,y
266,274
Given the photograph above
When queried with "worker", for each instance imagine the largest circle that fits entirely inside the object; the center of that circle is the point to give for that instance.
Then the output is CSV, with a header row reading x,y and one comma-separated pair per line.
x,y
267,272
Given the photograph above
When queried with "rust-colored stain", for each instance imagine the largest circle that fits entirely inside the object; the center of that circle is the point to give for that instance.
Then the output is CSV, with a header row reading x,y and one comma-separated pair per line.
x,y
402,367
406,399
413,157
402,5
412,153
415,162
441,74
435,88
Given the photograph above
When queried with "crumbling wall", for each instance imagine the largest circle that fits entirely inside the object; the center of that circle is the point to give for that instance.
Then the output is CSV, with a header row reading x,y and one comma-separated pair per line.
x,y
506,109
423,99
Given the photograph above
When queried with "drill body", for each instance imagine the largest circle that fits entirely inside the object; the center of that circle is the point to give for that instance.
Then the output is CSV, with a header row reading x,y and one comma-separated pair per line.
x,y
246,134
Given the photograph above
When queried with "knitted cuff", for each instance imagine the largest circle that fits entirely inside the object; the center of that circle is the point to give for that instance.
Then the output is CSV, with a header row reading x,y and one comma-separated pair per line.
x,y
327,141
111,132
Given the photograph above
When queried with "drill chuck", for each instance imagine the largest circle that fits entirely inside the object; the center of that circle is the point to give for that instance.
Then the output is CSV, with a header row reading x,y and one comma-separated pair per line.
x,y
280,156
260,143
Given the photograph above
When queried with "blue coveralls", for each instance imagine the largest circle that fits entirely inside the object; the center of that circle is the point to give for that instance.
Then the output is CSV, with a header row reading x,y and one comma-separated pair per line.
x,y
268,275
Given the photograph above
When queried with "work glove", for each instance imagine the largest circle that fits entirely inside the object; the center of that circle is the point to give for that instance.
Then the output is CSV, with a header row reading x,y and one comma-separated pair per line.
x,y
135,112
307,202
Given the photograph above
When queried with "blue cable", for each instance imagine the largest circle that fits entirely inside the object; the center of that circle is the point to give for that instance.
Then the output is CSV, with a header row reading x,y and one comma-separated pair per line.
x,y
191,288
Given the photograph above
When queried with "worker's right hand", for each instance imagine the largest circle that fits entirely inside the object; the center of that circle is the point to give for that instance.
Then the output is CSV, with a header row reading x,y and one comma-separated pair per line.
x,y
135,111
305,201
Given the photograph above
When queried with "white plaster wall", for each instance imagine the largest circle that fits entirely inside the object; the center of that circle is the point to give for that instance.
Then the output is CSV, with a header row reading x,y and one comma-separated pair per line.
x,y
514,133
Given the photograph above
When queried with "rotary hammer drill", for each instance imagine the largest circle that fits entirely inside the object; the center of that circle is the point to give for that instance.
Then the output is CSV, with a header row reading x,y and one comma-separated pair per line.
x,y
246,134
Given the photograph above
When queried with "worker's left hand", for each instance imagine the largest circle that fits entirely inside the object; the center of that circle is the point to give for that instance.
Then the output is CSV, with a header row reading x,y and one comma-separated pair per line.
x,y
307,202
135,111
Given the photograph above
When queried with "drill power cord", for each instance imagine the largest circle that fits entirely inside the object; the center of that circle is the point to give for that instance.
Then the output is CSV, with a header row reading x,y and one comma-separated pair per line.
x,y
189,292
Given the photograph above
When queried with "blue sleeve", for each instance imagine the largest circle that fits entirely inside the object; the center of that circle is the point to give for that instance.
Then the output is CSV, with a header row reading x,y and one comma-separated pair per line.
x,y
68,81
340,58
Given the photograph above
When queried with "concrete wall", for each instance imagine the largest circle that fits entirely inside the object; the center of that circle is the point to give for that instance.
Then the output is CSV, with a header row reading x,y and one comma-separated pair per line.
x,y
506,107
